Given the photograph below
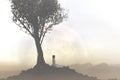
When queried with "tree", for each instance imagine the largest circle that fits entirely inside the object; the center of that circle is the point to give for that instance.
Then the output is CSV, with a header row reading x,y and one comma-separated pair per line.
x,y
36,17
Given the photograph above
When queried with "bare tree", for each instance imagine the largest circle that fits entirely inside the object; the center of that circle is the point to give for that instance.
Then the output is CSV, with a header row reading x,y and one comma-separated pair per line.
x,y
36,17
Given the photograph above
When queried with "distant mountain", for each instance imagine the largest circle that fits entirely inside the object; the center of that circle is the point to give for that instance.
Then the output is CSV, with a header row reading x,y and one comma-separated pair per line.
x,y
50,73
102,71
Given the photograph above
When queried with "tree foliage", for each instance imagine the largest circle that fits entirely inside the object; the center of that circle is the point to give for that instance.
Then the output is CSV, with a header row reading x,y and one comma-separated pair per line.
x,y
36,17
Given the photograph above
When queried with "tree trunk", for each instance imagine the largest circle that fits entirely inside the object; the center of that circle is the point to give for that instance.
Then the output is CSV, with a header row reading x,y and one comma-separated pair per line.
x,y
40,57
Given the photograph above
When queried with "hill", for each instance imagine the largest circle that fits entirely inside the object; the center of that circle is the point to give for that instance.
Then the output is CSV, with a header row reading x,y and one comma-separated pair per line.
x,y
50,73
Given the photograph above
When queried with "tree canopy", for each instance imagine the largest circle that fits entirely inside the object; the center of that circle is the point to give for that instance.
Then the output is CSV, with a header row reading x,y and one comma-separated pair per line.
x,y
36,17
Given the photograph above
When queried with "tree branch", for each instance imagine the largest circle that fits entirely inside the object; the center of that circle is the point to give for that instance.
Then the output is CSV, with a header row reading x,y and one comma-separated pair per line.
x,y
50,26
43,37
23,25
42,31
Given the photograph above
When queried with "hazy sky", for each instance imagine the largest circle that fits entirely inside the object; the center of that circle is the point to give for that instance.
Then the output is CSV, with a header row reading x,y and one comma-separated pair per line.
x,y
90,34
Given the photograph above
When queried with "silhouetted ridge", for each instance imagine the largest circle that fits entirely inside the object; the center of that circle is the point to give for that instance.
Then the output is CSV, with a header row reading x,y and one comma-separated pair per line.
x,y
50,73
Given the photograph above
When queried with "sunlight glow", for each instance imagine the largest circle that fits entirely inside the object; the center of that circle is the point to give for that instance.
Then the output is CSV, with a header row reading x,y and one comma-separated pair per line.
x,y
91,34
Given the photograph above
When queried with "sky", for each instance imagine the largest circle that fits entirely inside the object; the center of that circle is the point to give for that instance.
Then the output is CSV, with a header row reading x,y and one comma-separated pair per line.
x,y
91,34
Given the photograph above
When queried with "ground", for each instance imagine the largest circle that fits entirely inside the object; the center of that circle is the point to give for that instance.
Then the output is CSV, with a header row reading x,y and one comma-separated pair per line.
x,y
47,72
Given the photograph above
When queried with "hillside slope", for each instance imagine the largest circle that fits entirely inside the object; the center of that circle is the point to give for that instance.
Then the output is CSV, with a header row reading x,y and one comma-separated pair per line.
x,y
50,73
102,71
